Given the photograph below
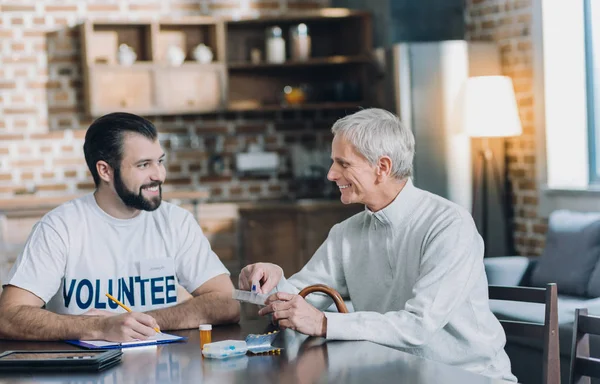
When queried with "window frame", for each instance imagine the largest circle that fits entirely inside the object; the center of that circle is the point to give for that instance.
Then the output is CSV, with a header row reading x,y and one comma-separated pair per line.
x,y
591,95
561,133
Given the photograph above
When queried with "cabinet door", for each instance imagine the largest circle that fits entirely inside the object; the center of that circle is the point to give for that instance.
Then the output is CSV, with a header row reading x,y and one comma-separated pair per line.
x,y
191,88
121,89
317,224
272,238
222,236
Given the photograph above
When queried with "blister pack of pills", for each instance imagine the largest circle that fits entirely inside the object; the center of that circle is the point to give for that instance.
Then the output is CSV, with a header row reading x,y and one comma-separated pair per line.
x,y
262,343
249,297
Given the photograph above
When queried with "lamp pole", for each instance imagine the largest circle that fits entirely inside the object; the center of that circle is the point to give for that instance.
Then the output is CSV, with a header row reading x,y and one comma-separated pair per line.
x,y
487,157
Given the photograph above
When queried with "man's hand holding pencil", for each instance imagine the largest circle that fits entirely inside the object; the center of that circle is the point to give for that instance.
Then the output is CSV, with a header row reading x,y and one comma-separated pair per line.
x,y
125,327
129,326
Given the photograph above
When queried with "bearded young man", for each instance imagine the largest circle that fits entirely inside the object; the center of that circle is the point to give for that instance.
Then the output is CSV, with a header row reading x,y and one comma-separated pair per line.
x,y
123,240
411,262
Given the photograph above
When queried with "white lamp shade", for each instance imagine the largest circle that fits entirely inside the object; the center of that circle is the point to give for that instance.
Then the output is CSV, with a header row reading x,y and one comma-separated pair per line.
x,y
490,107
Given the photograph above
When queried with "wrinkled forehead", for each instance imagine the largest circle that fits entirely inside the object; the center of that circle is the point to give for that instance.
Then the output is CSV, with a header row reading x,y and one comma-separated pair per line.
x,y
137,147
341,147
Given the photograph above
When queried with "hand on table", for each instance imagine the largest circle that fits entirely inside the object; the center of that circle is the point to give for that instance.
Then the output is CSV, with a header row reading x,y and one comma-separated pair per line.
x,y
128,327
265,276
292,311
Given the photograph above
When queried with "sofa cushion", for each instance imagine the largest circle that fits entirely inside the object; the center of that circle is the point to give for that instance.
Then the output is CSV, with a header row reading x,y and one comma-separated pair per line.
x,y
506,270
571,252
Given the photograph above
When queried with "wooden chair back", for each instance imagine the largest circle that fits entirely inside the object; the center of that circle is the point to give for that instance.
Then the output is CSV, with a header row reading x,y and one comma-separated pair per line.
x,y
582,365
547,332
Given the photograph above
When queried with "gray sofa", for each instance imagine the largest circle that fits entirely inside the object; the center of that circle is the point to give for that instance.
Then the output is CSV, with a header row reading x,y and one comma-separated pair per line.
x,y
571,259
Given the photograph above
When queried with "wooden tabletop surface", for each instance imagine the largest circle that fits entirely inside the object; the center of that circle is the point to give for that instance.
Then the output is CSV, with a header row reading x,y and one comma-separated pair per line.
x,y
303,360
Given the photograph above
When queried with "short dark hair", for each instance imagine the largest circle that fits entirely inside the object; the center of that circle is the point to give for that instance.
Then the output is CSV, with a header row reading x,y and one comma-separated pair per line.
x,y
104,139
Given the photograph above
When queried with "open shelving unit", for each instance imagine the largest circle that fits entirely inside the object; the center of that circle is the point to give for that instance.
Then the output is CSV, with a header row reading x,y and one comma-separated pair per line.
x,y
336,75
151,86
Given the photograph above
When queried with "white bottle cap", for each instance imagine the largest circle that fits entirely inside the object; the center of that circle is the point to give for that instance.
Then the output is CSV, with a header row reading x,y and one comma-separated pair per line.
x,y
205,327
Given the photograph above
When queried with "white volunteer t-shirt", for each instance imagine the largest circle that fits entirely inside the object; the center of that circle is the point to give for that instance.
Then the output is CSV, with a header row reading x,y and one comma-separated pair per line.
x,y
77,253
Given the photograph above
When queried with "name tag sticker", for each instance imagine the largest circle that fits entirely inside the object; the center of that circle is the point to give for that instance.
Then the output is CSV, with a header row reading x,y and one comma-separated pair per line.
x,y
157,268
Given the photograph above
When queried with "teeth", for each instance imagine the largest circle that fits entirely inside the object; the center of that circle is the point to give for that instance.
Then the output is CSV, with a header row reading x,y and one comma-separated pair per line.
x,y
152,189
343,186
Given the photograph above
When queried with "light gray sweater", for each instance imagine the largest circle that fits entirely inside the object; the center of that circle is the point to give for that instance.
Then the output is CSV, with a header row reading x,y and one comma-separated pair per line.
x,y
414,273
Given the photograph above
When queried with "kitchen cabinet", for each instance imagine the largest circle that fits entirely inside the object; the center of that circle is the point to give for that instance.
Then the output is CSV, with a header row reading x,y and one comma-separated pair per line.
x,y
336,75
153,84
271,236
199,88
121,88
220,224
288,234
316,224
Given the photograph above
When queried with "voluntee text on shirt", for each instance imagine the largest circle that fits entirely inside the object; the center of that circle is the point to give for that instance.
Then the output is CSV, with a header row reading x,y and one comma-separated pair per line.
x,y
133,291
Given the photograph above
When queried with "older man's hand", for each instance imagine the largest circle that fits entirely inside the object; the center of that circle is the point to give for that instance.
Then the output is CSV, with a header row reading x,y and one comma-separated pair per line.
x,y
292,311
264,276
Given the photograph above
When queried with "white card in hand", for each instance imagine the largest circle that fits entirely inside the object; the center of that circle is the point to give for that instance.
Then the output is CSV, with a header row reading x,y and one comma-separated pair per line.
x,y
249,297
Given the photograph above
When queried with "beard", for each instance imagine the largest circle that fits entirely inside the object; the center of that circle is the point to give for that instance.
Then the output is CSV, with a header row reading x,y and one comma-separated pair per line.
x,y
137,200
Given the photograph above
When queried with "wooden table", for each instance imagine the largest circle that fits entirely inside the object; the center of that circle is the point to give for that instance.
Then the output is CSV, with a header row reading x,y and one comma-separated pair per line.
x,y
304,360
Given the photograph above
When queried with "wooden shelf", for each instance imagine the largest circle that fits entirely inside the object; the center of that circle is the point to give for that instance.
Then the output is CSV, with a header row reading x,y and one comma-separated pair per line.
x,y
152,65
322,15
297,107
341,51
338,67
315,61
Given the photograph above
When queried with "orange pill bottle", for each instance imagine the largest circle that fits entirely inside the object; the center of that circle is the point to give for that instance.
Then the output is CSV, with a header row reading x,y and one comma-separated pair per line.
x,y
205,334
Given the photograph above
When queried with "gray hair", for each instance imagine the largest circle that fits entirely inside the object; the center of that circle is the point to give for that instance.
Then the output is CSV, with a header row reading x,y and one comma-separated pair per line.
x,y
375,133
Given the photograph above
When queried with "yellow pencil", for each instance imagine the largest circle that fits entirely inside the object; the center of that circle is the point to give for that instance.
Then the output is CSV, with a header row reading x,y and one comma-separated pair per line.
x,y
124,306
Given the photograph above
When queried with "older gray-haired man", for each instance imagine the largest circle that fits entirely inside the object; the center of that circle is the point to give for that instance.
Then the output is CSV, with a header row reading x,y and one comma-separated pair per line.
x,y
411,262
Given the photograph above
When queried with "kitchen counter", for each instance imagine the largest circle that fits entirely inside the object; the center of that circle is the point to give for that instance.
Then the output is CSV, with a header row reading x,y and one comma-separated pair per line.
x,y
33,203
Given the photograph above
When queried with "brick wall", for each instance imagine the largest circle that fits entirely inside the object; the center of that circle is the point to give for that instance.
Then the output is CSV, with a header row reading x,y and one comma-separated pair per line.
x,y
42,123
508,23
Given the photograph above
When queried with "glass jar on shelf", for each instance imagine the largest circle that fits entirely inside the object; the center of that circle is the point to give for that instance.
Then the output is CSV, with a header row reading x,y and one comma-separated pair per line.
x,y
300,40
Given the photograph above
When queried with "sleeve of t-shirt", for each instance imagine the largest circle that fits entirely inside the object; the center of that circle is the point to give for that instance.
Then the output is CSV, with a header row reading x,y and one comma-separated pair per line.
x,y
196,263
40,267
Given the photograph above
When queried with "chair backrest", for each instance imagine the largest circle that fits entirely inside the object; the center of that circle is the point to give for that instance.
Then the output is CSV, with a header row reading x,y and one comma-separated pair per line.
x,y
547,332
582,365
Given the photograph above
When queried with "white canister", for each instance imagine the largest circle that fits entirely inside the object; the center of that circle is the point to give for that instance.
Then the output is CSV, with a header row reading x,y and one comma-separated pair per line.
x,y
126,55
175,55
203,54
275,46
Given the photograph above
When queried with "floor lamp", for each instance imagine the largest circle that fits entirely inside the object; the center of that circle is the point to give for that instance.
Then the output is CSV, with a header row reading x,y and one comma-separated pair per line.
x,y
490,112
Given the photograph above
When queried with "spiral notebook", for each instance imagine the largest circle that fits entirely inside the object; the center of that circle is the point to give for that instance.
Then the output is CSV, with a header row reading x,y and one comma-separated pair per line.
x,y
159,338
